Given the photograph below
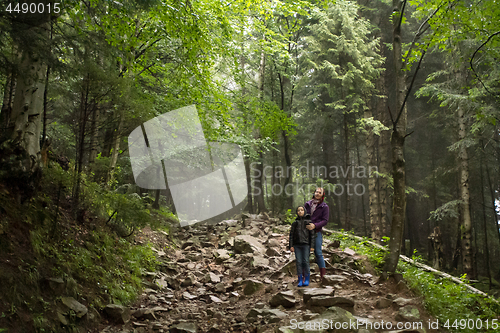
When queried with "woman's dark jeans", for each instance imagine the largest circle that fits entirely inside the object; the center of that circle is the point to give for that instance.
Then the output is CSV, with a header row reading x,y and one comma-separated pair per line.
x,y
317,250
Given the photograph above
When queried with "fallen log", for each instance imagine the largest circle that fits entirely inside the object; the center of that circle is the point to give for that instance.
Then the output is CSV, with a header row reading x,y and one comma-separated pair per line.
x,y
419,265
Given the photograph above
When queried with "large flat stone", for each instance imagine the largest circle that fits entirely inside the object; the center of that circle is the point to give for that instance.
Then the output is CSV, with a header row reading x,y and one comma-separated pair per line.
x,y
311,292
248,244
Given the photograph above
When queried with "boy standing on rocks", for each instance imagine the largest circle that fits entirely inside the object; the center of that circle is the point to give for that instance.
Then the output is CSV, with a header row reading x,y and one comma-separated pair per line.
x,y
301,241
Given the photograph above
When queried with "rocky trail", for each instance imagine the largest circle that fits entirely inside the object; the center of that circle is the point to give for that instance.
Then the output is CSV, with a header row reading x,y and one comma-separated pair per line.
x,y
237,276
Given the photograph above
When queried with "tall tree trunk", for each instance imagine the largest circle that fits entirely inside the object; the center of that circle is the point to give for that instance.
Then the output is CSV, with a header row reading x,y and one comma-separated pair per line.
x,y
8,101
373,204
45,103
258,189
485,226
466,222
363,209
328,145
25,119
116,149
493,205
347,165
94,134
80,142
397,145
249,206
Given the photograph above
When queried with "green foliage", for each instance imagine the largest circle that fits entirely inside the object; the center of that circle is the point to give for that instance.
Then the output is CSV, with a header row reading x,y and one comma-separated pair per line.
x,y
448,301
290,216
444,299
375,255
447,210
97,259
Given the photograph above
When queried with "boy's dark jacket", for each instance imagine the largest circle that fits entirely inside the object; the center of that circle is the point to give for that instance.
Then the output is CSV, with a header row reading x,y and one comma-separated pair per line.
x,y
299,235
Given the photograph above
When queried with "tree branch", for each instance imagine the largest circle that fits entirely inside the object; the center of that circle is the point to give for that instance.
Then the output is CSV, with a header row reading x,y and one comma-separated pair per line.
x,y
472,58
410,87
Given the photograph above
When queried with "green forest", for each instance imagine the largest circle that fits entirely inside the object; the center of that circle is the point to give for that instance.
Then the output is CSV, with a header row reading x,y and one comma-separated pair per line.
x,y
393,107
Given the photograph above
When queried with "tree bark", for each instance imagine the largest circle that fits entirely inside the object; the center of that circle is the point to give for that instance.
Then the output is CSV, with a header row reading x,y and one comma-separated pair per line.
x,y
397,148
363,209
25,120
347,165
8,100
258,189
485,226
115,150
94,134
466,222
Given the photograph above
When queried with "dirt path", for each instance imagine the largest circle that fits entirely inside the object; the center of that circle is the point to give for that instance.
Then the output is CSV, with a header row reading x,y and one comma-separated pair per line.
x,y
237,276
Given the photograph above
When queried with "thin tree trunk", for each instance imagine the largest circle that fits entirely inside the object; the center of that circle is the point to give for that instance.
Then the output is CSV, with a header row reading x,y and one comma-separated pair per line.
x,y
492,196
7,104
466,222
382,161
365,225
485,227
116,149
259,192
45,102
249,206
80,147
94,134
347,165
397,145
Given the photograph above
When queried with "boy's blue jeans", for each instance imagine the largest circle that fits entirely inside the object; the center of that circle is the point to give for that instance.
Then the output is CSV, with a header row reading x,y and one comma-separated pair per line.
x,y
302,258
317,250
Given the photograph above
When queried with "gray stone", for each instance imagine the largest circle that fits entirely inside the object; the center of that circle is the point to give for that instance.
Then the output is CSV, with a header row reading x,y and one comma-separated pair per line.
x,y
72,304
185,327
230,223
272,252
56,285
270,315
212,278
144,313
311,292
327,301
161,283
383,303
188,296
118,313
62,318
221,255
403,301
215,299
332,314
252,286
220,287
248,244
273,243
408,313
188,281
284,298
332,280
260,262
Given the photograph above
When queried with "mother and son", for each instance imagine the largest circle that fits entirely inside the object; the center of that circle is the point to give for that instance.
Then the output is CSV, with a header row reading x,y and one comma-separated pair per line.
x,y
306,235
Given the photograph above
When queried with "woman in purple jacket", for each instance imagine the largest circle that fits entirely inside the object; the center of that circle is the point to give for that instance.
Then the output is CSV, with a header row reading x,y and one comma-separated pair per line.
x,y
319,211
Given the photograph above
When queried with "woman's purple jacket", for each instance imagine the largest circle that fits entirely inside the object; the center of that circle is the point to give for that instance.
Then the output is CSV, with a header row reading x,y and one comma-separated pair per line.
x,y
320,215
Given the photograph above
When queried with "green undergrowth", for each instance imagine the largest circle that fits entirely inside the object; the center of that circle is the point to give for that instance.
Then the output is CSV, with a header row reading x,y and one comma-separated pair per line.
x,y
93,252
456,308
